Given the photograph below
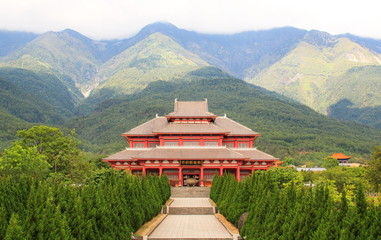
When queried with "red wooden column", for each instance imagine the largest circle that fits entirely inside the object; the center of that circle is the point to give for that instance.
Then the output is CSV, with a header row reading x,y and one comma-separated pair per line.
x,y
180,177
238,174
221,171
160,171
202,176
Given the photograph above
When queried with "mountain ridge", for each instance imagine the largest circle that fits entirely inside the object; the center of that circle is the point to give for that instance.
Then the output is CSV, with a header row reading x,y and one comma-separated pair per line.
x,y
81,63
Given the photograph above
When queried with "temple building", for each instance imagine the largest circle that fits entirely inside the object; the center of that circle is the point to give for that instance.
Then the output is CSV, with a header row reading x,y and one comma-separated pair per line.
x,y
191,143
342,158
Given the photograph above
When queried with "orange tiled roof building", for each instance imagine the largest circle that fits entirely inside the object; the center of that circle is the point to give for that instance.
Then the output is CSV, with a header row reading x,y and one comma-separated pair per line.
x,y
342,158
191,142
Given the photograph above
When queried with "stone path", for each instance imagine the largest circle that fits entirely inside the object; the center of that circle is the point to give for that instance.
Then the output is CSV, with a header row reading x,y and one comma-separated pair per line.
x,y
190,227
182,224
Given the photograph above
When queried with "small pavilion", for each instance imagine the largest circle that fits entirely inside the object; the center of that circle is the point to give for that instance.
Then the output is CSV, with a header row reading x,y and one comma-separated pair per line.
x,y
342,158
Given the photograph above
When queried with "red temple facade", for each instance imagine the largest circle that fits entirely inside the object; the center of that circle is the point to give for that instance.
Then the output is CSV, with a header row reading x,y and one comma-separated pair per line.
x,y
191,143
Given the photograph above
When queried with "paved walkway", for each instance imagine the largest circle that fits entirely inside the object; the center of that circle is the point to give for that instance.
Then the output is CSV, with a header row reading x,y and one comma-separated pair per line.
x,y
190,226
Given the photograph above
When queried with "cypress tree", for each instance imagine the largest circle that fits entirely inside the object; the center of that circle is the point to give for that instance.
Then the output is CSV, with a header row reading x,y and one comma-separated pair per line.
x,y
360,200
14,230
3,222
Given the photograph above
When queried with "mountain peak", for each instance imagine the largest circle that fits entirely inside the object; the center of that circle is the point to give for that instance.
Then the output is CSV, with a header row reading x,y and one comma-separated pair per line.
x,y
163,27
320,39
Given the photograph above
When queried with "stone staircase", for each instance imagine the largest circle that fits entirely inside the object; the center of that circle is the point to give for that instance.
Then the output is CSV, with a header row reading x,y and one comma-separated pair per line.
x,y
190,192
191,211
191,216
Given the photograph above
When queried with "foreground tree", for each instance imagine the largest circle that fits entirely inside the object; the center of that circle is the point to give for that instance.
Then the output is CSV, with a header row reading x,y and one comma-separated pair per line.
x,y
61,151
14,230
373,173
23,160
330,163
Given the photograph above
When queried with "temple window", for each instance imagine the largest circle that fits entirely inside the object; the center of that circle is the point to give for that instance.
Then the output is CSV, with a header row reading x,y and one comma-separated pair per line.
x,y
210,143
171,143
191,143
152,145
243,144
139,144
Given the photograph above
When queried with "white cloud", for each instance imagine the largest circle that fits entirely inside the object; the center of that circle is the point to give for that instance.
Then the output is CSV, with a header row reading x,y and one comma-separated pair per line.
x,y
105,19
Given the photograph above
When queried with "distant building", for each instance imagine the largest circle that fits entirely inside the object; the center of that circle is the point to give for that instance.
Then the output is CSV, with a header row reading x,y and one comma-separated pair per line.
x,y
191,144
313,169
352,165
341,157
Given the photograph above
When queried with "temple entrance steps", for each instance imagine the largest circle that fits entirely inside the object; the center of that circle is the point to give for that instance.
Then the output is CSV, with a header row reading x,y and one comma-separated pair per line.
x,y
191,216
191,206
190,192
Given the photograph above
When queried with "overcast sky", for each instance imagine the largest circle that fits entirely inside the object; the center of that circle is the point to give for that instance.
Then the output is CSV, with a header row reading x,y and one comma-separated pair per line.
x,y
110,19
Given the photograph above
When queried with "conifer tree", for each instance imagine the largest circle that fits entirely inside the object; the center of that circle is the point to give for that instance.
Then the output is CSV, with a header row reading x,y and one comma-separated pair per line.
x,y
14,230
3,222
360,200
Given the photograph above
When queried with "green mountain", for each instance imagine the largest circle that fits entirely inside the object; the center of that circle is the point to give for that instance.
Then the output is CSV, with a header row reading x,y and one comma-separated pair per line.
x,y
9,125
316,73
12,40
65,53
362,105
370,43
46,87
28,98
312,67
156,57
26,106
242,54
288,128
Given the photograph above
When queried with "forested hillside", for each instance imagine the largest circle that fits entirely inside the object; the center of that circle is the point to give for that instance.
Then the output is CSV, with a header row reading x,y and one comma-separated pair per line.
x,y
11,40
288,128
156,57
313,67
321,71
103,88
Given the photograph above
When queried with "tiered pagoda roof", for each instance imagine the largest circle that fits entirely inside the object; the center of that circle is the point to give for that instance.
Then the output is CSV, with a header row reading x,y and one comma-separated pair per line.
x,y
191,133
184,153
160,125
191,109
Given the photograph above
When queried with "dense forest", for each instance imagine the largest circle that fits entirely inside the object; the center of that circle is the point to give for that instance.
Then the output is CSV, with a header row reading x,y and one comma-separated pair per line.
x,y
49,189
288,128
340,203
